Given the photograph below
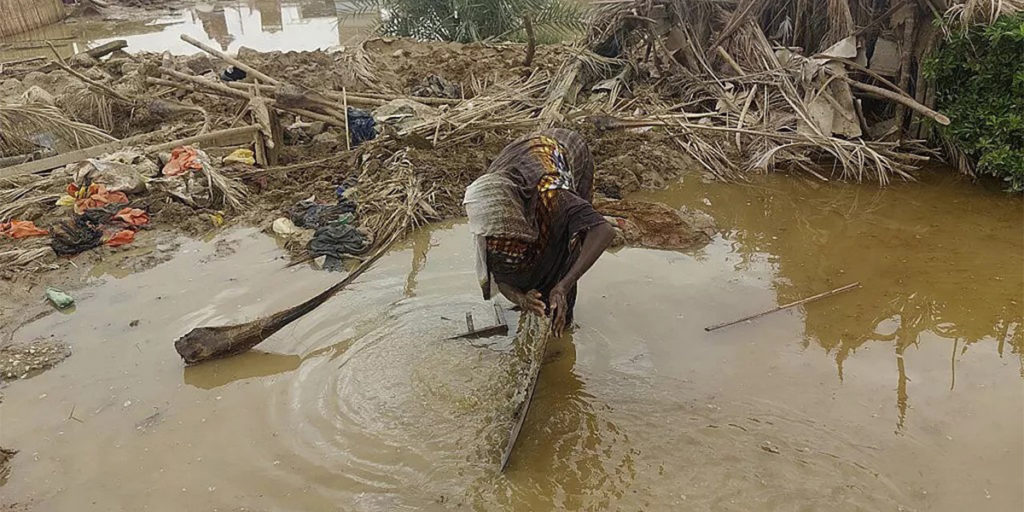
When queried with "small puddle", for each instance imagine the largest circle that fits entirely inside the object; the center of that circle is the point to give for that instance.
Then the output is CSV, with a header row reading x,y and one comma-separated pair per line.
x,y
905,393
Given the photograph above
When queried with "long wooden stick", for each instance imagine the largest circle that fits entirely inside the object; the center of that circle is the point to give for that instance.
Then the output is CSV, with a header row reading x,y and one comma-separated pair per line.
x,y
364,99
786,306
205,343
348,136
231,60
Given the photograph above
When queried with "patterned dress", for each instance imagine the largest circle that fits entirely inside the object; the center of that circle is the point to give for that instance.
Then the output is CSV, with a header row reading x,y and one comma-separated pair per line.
x,y
556,171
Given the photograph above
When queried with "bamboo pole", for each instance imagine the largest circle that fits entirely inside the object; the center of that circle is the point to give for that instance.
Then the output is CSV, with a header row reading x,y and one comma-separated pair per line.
x,y
812,298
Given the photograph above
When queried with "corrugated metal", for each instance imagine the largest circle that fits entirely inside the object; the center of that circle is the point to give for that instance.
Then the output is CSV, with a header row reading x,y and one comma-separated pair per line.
x,y
17,16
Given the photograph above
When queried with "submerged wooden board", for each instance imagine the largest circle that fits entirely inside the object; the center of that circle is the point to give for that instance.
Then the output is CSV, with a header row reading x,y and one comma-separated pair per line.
x,y
523,408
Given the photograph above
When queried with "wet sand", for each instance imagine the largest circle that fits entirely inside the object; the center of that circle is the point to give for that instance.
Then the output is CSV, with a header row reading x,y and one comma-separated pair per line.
x,y
905,394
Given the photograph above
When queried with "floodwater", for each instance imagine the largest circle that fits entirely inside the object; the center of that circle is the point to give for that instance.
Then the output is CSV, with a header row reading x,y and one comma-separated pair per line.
x,y
262,25
903,395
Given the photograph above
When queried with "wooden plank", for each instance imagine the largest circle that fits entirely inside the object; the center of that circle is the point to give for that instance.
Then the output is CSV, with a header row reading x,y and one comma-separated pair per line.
x,y
523,407
240,135
228,137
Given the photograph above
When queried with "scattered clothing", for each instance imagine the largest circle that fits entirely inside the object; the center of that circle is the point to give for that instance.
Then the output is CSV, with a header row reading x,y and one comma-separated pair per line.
x,y
312,215
361,126
132,216
284,226
59,299
21,229
123,171
232,74
184,159
71,238
94,196
434,86
337,241
123,237
97,217
241,156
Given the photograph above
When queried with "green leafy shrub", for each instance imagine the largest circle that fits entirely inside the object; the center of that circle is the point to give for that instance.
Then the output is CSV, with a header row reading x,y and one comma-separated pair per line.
x,y
476,20
979,78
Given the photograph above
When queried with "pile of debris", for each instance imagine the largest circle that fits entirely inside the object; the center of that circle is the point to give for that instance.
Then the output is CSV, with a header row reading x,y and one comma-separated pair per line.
x,y
388,133
382,156
831,87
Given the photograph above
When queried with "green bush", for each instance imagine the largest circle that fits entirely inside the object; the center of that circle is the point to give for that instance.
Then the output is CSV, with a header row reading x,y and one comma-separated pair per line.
x,y
979,79
476,20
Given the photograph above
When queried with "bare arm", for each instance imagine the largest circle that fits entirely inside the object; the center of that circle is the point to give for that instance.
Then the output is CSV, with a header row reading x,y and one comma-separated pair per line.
x,y
597,239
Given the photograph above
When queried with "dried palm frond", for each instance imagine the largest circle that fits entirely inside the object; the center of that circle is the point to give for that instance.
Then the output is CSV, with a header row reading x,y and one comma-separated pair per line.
x,y
85,106
20,124
975,12
356,69
232,192
21,257
19,194
501,105
397,197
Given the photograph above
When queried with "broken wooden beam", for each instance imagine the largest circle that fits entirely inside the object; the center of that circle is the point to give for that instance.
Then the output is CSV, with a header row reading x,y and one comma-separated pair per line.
x,y
106,49
360,100
228,137
231,136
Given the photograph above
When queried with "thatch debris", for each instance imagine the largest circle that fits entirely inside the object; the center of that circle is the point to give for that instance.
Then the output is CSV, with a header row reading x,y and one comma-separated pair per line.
x,y
776,84
833,88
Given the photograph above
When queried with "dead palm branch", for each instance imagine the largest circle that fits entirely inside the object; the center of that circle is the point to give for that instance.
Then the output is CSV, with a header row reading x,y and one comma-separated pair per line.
x,y
22,127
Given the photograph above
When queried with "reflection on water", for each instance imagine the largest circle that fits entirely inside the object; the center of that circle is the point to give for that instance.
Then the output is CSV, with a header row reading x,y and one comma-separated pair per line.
x,y
263,25
249,365
364,404
938,262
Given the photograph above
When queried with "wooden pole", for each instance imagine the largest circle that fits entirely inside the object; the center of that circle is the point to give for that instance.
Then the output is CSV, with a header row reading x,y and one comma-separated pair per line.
x,y
786,306
348,136
255,73
531,41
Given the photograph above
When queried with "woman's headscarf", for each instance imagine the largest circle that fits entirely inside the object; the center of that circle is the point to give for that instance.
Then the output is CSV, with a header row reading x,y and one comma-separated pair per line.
x,y
497,206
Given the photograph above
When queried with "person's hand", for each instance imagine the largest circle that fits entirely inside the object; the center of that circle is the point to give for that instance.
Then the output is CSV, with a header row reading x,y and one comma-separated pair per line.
x,y
531,302
559,308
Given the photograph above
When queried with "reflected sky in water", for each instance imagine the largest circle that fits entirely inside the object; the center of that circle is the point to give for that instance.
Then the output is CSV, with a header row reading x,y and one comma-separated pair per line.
x,y
263,25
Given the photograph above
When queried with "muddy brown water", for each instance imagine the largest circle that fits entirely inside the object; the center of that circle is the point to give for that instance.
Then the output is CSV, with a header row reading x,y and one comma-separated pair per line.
x,y
904,395
262,25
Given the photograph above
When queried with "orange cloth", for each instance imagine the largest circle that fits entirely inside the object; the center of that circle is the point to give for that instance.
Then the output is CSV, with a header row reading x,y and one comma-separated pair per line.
x,y
133,216
183,159
22,229
96,196
121,238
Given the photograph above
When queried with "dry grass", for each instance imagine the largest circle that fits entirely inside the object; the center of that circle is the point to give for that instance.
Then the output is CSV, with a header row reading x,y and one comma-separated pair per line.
x,y
18,258
397,197
975,12
717,83
19,124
